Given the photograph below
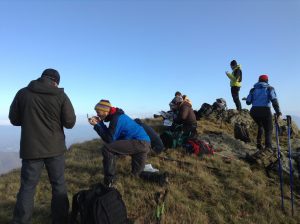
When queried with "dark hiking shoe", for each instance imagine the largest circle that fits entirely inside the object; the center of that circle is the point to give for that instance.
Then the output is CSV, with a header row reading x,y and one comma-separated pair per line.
x,y
257,154
269,149
268,157
161,178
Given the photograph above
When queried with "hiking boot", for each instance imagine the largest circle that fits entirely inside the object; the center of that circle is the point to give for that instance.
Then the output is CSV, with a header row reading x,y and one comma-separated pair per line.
x,y
270,149
268,157
257,154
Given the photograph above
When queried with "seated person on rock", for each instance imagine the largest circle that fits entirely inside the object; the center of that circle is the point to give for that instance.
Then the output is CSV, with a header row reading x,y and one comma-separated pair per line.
x,y
186,117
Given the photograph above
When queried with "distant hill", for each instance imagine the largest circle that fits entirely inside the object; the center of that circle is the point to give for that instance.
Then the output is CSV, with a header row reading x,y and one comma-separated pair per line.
x,y
222,188
9,161
10,136
10,143
296,119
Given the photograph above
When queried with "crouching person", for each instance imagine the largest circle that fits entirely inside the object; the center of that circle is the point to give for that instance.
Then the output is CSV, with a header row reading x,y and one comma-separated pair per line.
x,y
123,136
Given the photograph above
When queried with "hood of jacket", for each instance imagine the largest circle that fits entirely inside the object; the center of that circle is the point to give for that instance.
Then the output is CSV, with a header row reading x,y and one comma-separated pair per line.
x,y
261,85
114,112
44,86
186,103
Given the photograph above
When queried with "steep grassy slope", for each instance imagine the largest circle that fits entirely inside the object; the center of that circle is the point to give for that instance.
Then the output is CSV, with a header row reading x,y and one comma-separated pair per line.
x,y
213,189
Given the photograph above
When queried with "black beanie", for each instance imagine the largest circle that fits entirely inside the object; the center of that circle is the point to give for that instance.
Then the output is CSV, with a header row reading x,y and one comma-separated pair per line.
x,y
178,93
233,63
51,74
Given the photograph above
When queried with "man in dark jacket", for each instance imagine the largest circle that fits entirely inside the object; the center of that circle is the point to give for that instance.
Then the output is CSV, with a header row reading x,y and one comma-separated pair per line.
x,y
123,136
261,97
235,83
42,110
186,117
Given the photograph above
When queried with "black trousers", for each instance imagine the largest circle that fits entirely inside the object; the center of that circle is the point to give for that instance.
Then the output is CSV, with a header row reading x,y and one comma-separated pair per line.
x,y
137,149
30,174
263,118
235,96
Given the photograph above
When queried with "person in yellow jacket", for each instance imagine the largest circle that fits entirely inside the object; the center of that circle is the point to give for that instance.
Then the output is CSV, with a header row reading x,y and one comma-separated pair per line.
x,y
235,83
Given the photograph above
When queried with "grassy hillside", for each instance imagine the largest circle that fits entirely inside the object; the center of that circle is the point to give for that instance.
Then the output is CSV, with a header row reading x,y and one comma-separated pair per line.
x,y
215,189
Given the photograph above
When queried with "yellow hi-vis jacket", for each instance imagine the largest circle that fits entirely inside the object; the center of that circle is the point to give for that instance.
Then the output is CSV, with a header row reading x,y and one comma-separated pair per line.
x,y
234,81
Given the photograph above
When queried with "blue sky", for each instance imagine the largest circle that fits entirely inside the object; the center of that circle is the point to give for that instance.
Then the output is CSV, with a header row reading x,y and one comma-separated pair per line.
x,y
138,53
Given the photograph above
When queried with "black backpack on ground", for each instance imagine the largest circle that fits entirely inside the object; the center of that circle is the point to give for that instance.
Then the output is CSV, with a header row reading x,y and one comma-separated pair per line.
x,y
205,110
241,132
98,205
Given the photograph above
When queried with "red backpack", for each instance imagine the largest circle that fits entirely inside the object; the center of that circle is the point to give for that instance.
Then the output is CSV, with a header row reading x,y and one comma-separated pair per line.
x,y
199,147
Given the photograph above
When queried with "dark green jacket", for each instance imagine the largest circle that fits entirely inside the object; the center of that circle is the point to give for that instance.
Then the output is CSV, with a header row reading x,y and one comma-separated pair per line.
x,y
42,110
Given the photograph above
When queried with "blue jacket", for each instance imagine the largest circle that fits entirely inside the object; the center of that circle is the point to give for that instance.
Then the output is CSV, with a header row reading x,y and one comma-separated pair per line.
x,y
262,95
121,127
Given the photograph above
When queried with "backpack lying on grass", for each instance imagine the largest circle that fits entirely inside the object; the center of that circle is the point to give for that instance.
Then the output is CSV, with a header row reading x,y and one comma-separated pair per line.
x,y
205,110
99,204
241,132
198,147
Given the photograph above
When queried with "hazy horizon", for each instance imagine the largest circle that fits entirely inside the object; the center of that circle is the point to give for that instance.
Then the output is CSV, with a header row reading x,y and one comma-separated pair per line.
x,y
82,131
10,138
10,141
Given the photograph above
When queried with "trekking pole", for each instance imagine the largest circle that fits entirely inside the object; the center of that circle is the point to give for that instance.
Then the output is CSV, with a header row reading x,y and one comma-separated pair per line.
x,y
185,163
279,160
160,209
289,121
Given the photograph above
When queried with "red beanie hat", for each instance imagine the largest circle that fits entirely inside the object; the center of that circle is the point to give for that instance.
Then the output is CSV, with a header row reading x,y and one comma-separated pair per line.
x,y
263,78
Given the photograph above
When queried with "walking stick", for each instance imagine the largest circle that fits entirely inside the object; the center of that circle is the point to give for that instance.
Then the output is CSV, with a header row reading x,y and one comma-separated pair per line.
x,y
160,199
279,160
289,122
